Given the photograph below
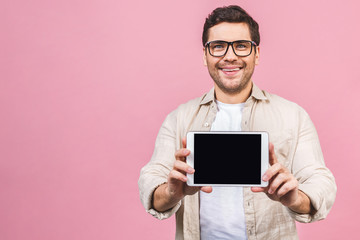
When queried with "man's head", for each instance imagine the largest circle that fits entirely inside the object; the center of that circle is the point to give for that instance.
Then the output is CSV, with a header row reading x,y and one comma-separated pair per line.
x,y
231,14
231,51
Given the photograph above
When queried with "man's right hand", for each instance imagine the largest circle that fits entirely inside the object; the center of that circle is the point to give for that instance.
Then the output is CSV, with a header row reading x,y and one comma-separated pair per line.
x,y
167,195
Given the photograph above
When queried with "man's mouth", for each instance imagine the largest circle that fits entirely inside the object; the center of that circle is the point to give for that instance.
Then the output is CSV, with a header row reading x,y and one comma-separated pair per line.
x,y
230,69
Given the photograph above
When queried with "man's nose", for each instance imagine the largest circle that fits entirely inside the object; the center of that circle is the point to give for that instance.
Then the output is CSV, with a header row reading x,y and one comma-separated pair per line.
x,y
230,54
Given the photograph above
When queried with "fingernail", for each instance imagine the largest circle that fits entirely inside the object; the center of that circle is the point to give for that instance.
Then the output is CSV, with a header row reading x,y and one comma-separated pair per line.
x,y
265,178
191,170
186,151
185,178
270,191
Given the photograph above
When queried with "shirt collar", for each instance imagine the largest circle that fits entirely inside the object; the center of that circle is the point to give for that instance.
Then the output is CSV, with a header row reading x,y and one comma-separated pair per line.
x,y
256,93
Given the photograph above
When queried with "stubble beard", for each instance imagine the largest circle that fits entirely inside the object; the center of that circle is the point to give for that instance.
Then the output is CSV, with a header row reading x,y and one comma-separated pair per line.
x,y
235,89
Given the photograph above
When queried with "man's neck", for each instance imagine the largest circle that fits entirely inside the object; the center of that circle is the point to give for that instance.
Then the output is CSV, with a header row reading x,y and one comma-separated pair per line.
x,y
233,98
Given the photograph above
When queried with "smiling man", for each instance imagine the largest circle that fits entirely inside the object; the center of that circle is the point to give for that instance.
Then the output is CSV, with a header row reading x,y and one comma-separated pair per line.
x,y
300,186
231,61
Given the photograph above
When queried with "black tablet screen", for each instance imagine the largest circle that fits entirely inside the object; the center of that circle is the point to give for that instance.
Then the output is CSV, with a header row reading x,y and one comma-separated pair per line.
x,y
227,158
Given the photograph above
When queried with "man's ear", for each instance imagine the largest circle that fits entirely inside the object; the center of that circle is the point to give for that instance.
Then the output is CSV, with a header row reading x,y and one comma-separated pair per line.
x,y
204,56
257,55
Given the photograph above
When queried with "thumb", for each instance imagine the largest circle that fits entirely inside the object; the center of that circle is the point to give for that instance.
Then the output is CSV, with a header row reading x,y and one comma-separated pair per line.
x,y
272,156
184,142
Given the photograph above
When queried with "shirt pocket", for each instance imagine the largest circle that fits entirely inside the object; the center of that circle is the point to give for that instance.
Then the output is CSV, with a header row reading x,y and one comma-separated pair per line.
x,y
282,141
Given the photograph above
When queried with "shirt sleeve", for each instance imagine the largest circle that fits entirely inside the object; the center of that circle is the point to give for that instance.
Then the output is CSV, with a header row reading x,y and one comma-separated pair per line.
x,y
156,171
308,167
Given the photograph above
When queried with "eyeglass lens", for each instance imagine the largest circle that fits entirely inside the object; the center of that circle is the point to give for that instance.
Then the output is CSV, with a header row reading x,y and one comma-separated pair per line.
x,y
241,48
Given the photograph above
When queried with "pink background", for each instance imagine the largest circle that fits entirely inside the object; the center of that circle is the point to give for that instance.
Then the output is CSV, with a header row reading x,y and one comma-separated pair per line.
x,y
85,86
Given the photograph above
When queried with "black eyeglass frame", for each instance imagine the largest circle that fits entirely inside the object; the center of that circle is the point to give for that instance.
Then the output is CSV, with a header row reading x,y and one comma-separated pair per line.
x,y
253,44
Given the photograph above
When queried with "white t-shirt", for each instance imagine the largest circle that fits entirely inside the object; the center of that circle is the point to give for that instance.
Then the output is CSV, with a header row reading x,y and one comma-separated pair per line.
x,y
222,211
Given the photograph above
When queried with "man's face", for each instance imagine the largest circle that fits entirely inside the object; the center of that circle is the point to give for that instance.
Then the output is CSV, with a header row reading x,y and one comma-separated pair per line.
x,y
231,73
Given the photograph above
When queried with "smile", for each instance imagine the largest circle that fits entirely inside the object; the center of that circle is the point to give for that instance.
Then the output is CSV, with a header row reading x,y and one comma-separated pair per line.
x,y
230,69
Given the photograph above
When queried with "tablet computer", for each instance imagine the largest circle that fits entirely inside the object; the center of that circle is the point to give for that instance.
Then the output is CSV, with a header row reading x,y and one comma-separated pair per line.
x,y
228,158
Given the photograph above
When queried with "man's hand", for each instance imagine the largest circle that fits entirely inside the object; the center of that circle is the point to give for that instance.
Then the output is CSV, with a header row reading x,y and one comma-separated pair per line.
x,y
283,186
167,195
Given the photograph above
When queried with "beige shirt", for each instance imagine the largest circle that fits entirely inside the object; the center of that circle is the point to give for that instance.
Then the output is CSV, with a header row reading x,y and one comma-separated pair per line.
x,y
296,145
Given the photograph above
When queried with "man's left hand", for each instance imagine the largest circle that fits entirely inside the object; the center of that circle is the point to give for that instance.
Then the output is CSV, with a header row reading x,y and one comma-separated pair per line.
x,y
283,186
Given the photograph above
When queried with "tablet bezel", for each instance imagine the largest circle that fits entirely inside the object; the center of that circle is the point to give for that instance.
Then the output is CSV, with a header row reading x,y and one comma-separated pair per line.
x,y
264,156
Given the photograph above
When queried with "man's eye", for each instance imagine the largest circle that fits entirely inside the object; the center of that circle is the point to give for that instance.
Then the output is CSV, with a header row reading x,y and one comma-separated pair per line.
x,y
241,46
218,46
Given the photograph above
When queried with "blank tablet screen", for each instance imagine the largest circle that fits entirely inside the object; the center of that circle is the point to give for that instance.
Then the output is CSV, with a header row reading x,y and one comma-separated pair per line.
x,y
227,158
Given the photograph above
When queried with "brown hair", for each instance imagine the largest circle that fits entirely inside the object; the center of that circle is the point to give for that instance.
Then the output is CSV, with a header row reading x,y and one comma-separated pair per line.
x,y
232,14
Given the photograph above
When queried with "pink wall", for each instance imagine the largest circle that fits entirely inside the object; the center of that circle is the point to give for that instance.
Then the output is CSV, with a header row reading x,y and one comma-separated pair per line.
x,y
85,86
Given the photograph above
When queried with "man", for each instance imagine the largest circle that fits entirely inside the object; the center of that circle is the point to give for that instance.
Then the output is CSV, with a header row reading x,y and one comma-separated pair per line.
x,y
300,186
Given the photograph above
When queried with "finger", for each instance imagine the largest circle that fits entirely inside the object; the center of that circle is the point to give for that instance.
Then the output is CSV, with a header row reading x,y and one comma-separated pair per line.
x,y
182,154
272,156
183,167
259,189
280,179
287,187
184,142
176,175
206,189
272,171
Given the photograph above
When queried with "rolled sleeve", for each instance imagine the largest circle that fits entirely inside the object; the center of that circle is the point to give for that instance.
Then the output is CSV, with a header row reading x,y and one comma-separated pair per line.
x,y
146,198
155,173
315,180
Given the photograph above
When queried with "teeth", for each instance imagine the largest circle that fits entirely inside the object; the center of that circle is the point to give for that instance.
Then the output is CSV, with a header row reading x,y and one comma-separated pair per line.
x,y
230,70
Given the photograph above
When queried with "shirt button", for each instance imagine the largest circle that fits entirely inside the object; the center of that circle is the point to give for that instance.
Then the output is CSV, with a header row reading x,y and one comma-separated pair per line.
x,y
206,124
245,122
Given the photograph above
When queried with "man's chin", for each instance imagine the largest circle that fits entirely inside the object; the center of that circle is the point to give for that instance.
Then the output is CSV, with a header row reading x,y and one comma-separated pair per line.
x,y
232,88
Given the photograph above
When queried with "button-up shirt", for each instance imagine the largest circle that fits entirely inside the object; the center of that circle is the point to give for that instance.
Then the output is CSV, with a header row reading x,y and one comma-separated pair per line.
x,y
296,146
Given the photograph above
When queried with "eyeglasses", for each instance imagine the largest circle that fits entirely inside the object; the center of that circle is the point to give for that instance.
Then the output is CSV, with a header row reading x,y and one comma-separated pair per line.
x,y
241,48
